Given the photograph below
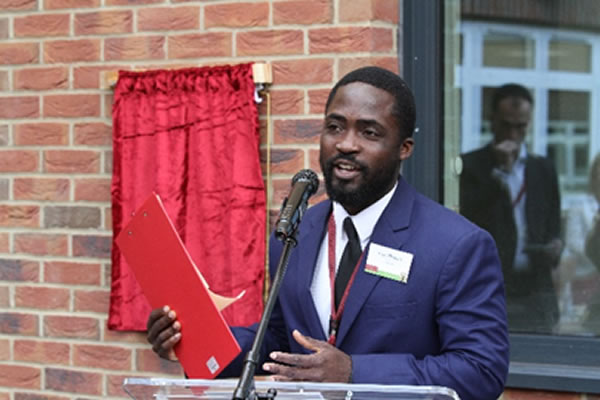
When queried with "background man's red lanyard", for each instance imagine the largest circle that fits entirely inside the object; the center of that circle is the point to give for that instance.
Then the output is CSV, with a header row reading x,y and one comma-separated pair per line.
x,y
336,315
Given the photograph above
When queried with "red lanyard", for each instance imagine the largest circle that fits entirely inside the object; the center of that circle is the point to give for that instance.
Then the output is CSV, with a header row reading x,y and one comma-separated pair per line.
x,y
336,314
519,195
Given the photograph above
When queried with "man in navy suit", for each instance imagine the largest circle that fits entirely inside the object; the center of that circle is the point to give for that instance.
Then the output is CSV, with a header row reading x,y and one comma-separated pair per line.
x,y
424,302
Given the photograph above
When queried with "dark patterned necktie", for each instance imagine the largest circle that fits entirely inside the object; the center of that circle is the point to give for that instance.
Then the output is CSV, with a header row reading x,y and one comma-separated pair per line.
x,y
348,261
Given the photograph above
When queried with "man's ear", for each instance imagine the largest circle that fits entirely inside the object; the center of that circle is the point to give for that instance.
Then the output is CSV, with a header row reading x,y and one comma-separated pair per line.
x,y
406,148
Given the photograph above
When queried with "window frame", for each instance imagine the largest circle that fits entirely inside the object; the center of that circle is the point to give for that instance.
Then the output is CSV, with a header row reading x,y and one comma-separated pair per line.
x,y
564,363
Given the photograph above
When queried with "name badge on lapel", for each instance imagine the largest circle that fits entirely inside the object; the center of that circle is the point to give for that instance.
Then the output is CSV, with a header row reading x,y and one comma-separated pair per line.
x,y
388,263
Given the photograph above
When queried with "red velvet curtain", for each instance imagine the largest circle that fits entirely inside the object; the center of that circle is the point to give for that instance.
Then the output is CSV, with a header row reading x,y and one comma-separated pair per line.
x,y
192,136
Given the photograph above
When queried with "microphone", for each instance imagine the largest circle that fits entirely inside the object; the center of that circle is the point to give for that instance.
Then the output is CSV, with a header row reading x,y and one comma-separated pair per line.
x,y
304,184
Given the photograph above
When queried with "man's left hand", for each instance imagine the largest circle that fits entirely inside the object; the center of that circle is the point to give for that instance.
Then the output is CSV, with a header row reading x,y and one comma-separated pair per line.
x,y
326,364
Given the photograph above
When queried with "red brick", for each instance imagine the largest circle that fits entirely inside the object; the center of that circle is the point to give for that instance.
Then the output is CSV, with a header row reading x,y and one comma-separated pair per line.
x,y
4,243
523,394
317,99
134,48
70,273
4,28
270,42
92,189
20,377
60,4
196,45
236,15
92,300
19,270
369,10
284,102
91,246
4,348
350,64
68,161
148,361
4,86
18,323
19,106
19,216
3,135
41,78
90,77
124,337
18,160
132,2
4,189
72,105
73,217
14,5
168,18
42,244
294,131
93,134
71,327
284,161
19,53
114,385
106,357
69,51
350,39
305,12
43,25
43,298
307,71
103,23
41,134
108,219
35,396
41,352
108,161
73,381
41,189
108,105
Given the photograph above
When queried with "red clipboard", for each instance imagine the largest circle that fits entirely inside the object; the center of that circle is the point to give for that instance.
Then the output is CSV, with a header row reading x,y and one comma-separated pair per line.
x,y
168,276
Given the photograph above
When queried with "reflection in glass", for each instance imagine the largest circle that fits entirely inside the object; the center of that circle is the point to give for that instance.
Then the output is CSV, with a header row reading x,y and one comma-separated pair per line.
x,y
568,136
555,66
510,51
569,55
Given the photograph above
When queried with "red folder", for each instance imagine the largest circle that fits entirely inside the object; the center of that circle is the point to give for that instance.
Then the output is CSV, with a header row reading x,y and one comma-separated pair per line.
x,y
168,276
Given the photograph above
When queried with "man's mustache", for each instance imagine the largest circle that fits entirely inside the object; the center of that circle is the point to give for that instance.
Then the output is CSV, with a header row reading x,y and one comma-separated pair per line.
x,y
347,157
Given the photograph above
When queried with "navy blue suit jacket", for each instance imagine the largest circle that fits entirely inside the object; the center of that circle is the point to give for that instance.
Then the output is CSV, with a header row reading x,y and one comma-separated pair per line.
x,y
445,326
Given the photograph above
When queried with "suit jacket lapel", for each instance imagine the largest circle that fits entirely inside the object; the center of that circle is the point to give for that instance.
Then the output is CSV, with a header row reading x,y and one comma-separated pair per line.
x,y
392,231
309,243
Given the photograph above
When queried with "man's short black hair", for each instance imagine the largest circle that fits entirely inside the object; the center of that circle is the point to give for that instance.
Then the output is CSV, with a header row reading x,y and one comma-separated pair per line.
x,y
510,90
404,108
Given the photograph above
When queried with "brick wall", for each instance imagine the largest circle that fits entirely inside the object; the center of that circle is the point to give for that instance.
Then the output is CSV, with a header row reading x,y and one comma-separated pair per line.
x,y
55,155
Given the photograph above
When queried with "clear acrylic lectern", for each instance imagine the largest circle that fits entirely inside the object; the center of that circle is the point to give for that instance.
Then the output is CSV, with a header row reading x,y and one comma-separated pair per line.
x,y
182,389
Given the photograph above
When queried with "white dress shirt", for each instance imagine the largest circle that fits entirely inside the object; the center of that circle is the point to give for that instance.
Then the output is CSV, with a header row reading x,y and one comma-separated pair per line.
x,y
364,222
514,180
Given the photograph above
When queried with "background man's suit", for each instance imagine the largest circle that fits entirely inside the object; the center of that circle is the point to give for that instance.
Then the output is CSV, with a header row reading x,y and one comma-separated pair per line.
x,y
531,299
446,325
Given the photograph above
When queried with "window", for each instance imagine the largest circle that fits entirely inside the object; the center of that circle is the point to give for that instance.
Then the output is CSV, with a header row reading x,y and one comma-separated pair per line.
x,y
456,54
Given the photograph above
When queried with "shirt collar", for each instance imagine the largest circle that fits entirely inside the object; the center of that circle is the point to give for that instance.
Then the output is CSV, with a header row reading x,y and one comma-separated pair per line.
x,y
364,221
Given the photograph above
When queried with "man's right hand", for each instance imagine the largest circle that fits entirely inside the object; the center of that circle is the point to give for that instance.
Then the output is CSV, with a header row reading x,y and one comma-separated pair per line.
x,y
163,332
506,153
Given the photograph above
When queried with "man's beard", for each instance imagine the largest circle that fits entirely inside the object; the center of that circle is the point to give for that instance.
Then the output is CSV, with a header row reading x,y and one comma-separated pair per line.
x,y
372,188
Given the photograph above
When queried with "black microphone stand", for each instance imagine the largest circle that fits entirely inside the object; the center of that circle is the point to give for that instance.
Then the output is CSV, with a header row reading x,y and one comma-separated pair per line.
x,y
245,389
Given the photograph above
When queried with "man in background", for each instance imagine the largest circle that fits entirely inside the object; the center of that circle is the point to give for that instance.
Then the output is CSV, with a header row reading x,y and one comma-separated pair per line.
x,y
514,195
385,285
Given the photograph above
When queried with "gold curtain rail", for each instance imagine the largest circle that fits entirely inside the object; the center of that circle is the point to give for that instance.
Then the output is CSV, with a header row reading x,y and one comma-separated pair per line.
x,y
261,73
